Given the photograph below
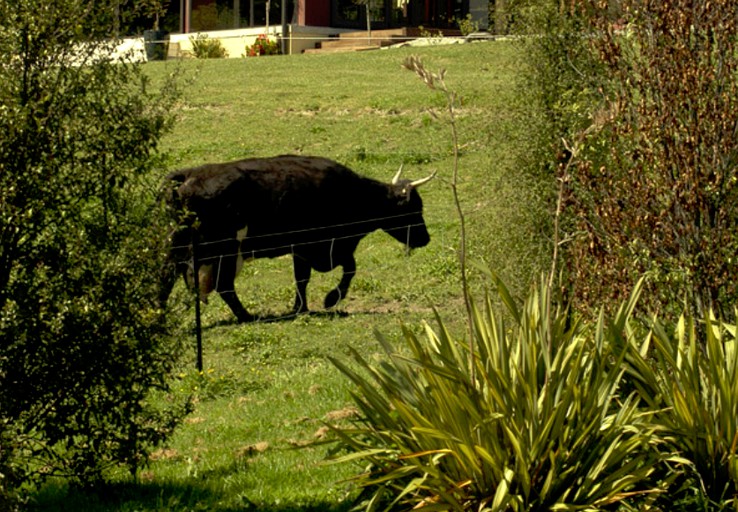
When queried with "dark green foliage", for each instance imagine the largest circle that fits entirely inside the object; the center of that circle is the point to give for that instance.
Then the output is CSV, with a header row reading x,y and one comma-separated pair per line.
x,y
565,77
9,444
82,337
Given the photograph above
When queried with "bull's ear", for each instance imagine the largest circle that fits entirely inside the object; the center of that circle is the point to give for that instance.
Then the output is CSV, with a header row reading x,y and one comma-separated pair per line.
x,y
423,181
396,179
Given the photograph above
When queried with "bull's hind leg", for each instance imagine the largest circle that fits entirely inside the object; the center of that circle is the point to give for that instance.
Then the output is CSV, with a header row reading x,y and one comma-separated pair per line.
x,y
340,291
302,271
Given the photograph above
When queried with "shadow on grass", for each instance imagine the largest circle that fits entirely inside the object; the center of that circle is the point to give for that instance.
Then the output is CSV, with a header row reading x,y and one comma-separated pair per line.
x,y
159,497
273,318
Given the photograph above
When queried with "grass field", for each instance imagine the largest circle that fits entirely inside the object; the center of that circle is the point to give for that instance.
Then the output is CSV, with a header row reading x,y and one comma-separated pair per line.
x,y
268,390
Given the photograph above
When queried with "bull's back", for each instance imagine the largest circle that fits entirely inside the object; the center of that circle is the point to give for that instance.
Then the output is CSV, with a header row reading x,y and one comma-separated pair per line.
x,y
277,202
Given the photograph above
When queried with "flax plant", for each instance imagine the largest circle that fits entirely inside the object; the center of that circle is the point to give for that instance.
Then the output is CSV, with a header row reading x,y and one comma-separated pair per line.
x,y
542,427
690,375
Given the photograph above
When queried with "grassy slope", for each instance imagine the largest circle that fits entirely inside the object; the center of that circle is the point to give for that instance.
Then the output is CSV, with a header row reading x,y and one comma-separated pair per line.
x,y
268,387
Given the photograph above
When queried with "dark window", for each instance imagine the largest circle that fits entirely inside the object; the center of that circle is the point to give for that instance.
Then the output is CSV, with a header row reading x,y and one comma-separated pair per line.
x,y
383,13
228,14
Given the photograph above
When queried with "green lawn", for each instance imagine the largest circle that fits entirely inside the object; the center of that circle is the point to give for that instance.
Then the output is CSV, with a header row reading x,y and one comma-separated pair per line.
x,y
254,439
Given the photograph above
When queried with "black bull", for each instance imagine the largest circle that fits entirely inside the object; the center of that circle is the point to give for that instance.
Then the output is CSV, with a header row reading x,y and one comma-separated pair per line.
x,y
313,208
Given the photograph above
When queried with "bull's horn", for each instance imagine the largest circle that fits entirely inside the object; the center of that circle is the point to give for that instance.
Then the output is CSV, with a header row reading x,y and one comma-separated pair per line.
x,y
397,176
423,181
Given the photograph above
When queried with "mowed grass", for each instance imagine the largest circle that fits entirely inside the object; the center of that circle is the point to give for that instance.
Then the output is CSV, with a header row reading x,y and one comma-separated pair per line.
x,y
255,440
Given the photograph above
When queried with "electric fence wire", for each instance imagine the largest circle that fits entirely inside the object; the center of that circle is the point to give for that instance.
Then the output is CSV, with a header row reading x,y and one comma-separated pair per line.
x,y
306,230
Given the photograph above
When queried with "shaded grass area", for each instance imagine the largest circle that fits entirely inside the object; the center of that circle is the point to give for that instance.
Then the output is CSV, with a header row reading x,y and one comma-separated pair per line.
x,y
256,439
162,496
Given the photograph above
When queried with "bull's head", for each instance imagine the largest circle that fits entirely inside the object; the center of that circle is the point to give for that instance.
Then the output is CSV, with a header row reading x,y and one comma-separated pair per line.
x,y
412,184
407,225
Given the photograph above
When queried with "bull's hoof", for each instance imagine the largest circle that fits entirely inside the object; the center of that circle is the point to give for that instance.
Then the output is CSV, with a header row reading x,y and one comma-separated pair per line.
x,y
333,298
245,318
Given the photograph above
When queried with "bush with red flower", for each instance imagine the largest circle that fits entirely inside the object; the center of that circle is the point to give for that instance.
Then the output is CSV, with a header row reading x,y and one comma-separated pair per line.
x,y
262,46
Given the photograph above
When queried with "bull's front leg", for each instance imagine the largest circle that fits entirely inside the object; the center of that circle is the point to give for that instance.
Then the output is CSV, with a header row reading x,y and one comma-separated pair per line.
x,y
302,270
179,255
225,284
167,278
230,298
340,291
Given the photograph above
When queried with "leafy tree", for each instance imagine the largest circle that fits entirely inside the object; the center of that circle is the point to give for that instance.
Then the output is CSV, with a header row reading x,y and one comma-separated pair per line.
x,y
83,341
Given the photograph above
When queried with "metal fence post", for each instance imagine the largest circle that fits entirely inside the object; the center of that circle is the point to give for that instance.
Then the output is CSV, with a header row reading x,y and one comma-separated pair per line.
x,y
196,278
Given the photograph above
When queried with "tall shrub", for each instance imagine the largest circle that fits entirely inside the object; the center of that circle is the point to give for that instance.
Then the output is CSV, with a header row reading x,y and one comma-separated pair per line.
x,y
645,99
82,339
562,87
664,198
564,78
